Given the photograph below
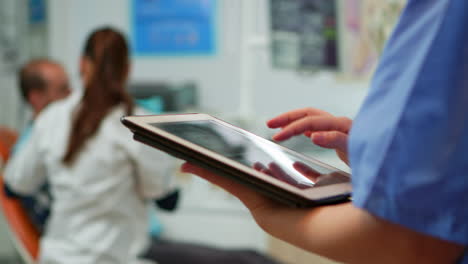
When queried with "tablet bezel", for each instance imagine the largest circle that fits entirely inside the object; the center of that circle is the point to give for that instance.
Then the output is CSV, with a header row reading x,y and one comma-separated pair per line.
x,y
141,126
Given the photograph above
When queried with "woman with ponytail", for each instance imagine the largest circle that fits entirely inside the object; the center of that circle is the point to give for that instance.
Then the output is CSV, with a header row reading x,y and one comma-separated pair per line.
x,y
104,70
100,178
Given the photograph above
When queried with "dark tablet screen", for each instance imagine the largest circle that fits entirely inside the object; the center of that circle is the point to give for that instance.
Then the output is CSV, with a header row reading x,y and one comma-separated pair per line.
x,y
255,152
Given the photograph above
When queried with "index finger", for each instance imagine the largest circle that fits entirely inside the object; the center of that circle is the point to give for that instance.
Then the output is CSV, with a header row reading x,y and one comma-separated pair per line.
x,y
314,124
291,116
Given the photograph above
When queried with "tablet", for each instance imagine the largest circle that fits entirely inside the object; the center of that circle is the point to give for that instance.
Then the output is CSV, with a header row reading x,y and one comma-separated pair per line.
x,y
278,172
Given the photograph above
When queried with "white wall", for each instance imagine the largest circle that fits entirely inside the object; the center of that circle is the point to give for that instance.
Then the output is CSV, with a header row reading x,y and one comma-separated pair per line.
x,y
239,79
13,51
217,76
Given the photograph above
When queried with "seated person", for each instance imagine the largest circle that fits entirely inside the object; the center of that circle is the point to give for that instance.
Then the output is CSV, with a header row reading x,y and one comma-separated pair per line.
x,y
41,81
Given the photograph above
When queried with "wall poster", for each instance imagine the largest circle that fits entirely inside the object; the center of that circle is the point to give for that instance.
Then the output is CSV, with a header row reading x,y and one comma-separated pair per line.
x,y
367,26
304,34
173,27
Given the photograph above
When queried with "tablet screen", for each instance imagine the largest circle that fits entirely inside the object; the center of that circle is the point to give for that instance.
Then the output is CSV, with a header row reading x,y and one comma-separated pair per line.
x,y
255,152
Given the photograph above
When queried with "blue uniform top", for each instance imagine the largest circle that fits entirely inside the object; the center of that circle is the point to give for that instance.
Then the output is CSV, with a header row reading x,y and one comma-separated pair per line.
x,y
23,138
409,143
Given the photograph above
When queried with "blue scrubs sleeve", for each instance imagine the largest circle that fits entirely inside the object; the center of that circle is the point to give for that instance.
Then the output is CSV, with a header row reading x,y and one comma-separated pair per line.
x,y
409,143
25,134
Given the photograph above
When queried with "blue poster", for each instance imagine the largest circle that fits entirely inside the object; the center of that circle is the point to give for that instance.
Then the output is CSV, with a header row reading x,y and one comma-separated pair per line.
x,y
173,27
37,11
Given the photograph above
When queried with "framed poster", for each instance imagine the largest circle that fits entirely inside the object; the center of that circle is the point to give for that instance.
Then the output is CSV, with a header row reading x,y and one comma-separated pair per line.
x,y
173,27
304,34
37,11
367,26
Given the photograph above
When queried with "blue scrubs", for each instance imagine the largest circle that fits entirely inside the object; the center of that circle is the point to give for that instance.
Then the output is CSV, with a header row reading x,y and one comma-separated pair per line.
x,y
23,138
409,142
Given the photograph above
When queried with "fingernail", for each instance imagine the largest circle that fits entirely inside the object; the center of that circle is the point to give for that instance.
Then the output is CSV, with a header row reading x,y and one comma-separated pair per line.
x,y
318,138
275,137
280,136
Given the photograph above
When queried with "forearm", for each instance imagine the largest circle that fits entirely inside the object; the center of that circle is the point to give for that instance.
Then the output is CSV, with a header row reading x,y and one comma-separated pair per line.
x,y
24,173
351,235
340,232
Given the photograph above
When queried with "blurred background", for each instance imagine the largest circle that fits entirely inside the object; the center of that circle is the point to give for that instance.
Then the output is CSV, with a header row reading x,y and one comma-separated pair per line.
x,y
244,61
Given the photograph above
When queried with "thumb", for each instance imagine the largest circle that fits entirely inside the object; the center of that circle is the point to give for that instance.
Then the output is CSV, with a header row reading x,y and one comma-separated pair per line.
x,y
331,139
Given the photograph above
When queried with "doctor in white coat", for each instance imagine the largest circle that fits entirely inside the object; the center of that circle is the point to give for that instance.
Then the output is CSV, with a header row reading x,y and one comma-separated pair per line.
x,y
100,178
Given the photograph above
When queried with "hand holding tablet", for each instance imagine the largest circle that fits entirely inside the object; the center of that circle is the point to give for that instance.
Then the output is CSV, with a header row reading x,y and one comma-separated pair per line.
x,y
224,149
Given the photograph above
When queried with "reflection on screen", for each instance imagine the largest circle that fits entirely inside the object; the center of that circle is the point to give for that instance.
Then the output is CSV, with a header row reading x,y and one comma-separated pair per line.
x,y
255,152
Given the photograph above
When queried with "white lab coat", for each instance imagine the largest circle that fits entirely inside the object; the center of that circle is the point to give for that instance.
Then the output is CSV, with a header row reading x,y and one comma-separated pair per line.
x,y
98,211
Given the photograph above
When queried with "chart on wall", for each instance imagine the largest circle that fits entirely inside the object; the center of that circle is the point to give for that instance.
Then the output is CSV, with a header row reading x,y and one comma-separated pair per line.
x,y
304,34
173,27
367,26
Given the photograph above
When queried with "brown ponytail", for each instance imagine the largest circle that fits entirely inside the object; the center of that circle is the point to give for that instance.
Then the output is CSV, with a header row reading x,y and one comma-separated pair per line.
x,y
108,51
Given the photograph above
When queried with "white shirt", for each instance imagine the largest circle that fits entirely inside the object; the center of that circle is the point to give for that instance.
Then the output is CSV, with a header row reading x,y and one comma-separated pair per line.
x,y
98,211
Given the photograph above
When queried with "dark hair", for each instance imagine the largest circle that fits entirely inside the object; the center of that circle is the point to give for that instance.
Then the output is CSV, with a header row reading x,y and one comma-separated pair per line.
x,y
107,49
31,78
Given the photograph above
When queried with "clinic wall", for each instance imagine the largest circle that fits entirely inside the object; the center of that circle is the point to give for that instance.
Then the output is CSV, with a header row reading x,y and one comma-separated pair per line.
x,y
238,79
277,90
13,52
216,76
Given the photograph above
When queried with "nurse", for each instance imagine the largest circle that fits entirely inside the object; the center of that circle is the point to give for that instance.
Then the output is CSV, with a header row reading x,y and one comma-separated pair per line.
x,y
407,148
